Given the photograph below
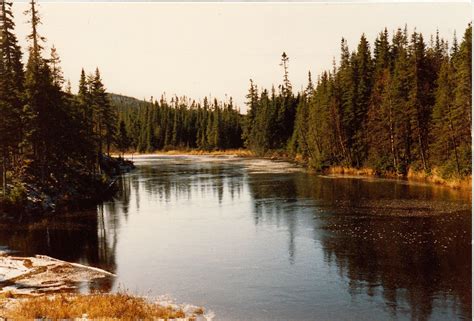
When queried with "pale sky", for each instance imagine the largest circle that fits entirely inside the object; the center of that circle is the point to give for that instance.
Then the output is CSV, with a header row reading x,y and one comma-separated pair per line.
x,y
197,49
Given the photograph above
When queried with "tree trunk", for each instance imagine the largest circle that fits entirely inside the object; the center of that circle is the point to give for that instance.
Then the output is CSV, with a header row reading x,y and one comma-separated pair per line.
x,y
392,139
453,139
422,152
4,175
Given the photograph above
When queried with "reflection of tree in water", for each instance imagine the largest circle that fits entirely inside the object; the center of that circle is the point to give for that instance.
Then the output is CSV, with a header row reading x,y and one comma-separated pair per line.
x,y
275,197
124,187
88,237
407,244
173,180
74,237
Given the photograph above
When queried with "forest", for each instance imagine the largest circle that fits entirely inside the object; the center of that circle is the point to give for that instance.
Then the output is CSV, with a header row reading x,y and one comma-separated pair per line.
x,y
52,142
402,104
406,105
181,123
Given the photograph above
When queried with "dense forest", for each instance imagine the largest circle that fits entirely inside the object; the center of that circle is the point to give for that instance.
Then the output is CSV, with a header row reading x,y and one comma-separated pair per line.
x,y
51,141
404,105
181,123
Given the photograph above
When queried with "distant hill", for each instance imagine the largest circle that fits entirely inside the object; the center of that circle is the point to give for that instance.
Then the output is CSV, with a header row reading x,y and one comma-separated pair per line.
x,y
121,101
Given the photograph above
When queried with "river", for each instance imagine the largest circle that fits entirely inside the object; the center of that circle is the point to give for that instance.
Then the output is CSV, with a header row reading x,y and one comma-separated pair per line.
x,y
255,239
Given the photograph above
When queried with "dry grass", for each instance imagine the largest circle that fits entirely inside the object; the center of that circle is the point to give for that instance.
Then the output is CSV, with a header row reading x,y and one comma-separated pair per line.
x,y
435,178
228,152
6,295
364,171
95,306
419,176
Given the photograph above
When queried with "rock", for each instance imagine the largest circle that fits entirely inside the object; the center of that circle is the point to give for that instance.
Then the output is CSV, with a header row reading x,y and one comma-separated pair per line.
x,y
43,274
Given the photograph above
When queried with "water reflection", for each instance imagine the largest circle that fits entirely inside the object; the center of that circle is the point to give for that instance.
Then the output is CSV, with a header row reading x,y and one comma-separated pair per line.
x,y
181,179
77,237
408,244
399,251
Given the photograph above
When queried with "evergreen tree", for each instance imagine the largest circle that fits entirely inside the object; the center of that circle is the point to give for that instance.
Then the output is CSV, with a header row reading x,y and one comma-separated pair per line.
x,y
104,115
462,62
11,90
402,109
37,116
123,142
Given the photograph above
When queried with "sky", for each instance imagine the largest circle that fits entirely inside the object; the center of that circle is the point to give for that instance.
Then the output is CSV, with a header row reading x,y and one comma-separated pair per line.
x,y
197,49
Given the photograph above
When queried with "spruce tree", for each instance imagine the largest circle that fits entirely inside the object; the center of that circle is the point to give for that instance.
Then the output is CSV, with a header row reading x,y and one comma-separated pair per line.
x,y
11,90
462,107
104,115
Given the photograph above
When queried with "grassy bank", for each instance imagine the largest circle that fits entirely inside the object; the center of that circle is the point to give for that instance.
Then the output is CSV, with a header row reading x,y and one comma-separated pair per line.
x,y
92,306
228,152
435,178
416,176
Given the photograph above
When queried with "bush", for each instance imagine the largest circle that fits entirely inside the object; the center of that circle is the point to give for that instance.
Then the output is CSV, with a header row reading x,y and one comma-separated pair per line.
x,y
17,194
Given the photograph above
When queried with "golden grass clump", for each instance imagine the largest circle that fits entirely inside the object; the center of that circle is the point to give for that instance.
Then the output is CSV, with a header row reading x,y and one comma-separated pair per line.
x,y
364,171
7,295
436,178
93,306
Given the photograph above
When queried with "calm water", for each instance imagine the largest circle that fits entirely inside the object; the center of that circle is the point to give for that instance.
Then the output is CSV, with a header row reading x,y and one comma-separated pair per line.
x,y
259,240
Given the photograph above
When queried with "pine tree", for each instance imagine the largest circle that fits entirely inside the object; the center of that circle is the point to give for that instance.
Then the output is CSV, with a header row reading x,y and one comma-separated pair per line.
x,y
252,110
347,90
104,115
37,116
56,72
123,142
11,90
462,108
397,100
445,144
362,100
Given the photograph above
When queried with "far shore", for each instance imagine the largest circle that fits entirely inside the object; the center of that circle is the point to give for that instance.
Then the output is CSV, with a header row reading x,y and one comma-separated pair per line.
x,y
177,152
434,178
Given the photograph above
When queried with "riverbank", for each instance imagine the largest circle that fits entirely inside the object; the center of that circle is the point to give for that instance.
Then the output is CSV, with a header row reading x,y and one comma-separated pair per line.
x,y
433,178
76,191
196,152
44,287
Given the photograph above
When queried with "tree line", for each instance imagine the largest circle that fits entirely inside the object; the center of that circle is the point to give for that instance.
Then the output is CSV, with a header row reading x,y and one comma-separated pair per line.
x,y
404,105
50,139
180,123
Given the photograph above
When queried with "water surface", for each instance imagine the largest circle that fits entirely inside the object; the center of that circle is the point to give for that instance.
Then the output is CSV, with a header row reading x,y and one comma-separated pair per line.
x,y
261,240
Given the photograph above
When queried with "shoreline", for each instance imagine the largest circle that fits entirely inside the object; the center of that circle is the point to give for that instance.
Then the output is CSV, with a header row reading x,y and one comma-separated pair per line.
x,y
433,179
45,287
37,200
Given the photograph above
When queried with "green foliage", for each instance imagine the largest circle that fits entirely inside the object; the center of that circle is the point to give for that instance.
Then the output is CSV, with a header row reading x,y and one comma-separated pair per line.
x,y
49,139
270,120
179,124
408,106
17,195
